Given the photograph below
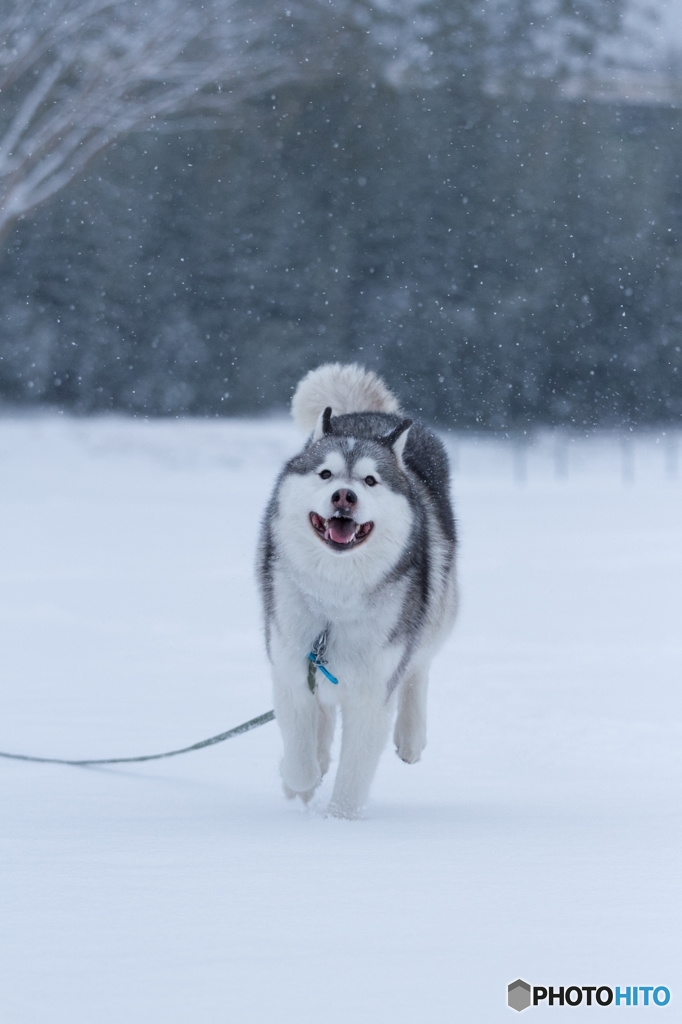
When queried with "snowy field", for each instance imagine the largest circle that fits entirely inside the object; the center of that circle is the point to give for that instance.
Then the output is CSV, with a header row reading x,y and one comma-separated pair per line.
x,y
539,837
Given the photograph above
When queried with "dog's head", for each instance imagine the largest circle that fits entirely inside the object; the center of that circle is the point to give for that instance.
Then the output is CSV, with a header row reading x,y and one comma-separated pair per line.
x,y
351,493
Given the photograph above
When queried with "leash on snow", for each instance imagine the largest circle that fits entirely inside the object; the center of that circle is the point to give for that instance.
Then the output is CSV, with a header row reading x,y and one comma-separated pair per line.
x,y
253,723
316,659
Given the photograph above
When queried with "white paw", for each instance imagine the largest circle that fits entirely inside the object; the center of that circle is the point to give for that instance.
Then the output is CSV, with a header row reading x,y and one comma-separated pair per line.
x,y
298,782
409,748
291,794
347,811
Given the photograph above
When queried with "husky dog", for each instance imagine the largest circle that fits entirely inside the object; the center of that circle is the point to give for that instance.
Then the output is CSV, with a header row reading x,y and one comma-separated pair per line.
x,y
357,574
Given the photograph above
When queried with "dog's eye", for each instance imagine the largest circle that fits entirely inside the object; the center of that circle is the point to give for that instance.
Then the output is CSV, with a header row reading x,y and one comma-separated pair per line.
x,y
370,481
325,474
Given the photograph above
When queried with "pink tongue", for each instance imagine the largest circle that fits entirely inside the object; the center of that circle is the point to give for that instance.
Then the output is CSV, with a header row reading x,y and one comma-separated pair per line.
x,y
341,531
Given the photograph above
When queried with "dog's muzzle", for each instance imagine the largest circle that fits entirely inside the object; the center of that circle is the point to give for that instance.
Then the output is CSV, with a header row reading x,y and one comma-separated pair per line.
x,y
340,532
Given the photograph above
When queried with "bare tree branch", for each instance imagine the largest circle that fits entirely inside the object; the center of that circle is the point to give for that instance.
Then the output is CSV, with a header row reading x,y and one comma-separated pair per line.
x,y
77,74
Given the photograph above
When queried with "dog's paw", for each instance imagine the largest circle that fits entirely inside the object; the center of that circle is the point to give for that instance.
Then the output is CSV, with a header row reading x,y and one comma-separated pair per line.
x,y
299,784
409,743
407,755
408,748
349,813
291,794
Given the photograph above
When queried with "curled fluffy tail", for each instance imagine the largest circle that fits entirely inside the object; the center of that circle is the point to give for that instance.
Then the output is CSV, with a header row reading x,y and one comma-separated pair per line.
x,y
345,388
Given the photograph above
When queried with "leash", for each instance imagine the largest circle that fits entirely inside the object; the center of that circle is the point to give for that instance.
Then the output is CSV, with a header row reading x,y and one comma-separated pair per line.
x,y
253,723
316,659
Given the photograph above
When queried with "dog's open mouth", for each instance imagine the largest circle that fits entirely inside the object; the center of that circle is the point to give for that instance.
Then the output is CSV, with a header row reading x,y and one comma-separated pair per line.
x,y
340,532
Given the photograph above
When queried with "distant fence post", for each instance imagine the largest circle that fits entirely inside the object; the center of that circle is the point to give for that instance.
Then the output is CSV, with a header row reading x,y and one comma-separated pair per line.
x,y
454,455
520,458
671,455
627,459
560,456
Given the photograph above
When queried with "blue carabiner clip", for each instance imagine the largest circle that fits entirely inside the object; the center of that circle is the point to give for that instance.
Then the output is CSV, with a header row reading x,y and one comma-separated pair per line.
x,y
332,679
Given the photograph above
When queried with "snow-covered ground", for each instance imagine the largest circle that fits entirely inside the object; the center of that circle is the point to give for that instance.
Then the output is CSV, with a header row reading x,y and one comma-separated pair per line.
x,y
539,837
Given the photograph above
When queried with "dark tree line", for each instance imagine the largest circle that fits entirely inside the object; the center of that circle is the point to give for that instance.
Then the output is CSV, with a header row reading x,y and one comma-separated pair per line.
x,y
501,255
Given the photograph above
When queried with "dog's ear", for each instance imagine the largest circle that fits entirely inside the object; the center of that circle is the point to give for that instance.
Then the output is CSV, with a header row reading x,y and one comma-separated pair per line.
x,y
324,424
397,440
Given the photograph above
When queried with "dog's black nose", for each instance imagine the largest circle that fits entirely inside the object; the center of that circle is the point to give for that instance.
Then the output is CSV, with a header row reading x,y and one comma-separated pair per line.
x,y
344,498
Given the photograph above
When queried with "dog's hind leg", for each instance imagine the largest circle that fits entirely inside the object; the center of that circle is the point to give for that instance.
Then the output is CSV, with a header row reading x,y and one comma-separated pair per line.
x,y
409,734
365,729
325,735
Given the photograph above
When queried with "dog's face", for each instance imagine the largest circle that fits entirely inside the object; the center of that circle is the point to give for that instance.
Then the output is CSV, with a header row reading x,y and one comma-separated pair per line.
x,y
347,497
345,502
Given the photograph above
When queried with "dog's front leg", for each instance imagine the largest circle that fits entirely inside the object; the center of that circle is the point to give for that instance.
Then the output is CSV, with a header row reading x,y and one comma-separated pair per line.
x,y
297,714
365,731
325,737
